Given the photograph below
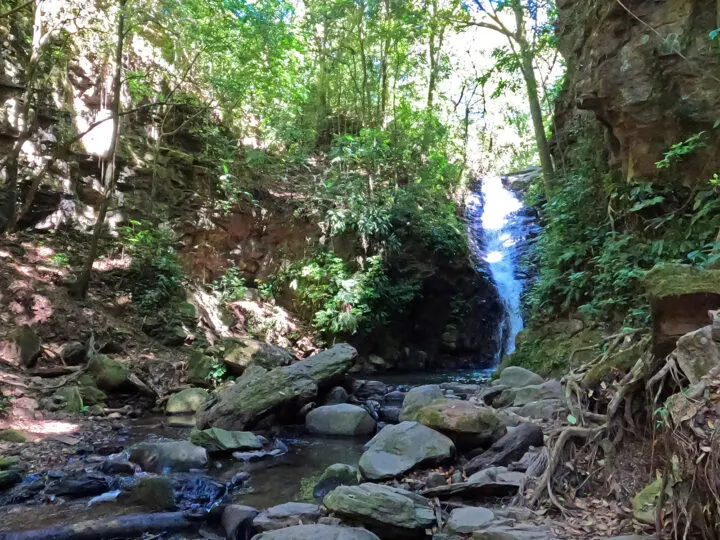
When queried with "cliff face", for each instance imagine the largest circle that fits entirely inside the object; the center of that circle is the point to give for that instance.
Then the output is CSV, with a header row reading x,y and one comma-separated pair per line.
x,y
649,73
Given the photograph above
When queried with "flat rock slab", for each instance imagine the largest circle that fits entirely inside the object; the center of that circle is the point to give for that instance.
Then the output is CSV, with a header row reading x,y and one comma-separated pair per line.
x,y
317,532
287,515
399,448
341,420
390,511
468,519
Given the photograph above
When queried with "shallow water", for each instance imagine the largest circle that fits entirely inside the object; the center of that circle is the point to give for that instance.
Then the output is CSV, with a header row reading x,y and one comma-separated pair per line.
x,y
403,381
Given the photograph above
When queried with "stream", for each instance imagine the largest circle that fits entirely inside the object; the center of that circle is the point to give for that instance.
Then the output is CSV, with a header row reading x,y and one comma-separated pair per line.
x,y
498,231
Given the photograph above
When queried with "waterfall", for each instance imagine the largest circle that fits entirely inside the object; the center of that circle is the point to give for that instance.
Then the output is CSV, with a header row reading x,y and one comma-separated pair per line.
x,y
499,231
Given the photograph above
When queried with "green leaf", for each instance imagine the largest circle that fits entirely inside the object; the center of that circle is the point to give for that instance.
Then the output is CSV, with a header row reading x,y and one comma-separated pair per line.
x,y
571,419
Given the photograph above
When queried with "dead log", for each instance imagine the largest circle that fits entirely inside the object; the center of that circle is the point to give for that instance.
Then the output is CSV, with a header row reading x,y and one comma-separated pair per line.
x,y
130,526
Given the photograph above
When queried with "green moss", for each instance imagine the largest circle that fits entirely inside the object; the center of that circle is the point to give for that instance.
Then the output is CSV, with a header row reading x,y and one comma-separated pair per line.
x,y
12,435
107,373
307,486
645,501
9,462
547,353
679,279
72,397
622,362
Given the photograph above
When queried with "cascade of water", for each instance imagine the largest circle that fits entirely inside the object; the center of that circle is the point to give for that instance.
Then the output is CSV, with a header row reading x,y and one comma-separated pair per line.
x,y
499,230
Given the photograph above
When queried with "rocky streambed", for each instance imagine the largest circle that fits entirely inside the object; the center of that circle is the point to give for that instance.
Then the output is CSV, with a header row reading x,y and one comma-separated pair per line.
x,y
295,452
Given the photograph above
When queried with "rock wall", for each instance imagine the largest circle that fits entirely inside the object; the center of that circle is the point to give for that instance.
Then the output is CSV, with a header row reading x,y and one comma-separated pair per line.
x,y
651,76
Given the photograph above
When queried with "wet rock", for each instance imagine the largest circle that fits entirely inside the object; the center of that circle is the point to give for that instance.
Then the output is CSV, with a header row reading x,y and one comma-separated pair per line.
x,y
488,393
394,399
392,512
153,492
390,415
417,398
197,490
317,532
240,354
509,448
460,389
399,448
287,515
221,440
343,420
517,377
467,424
79,484
277,449
371,389
544,409
172,455
73,353
468,519
335,475
249,399
108,374
9,479
516,531
336,396
237,521
117,464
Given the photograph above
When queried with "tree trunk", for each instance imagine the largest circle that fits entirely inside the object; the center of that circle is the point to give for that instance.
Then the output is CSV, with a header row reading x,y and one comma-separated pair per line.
x,y
537,119
109,170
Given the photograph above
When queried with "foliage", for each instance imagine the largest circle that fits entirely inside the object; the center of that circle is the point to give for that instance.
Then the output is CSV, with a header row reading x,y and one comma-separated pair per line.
x,y
231,285
602,235
155,274
679,150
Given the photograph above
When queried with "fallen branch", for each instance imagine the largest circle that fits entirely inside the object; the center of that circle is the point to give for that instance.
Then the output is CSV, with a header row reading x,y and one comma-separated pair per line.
x,y
130,526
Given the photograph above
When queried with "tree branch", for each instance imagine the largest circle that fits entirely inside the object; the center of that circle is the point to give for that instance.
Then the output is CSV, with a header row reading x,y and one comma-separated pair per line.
x,y
16,9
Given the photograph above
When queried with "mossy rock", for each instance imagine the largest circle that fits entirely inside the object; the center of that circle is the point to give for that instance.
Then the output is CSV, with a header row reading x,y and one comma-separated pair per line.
x,y
199,368
221,440
188,400
153,492
187,313
91,394
644,504
622,362
681,279
72,397
9,478
109,374
9,462
12,435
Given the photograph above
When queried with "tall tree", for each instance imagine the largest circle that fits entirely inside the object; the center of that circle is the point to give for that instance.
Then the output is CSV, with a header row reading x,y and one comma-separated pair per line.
x,y
510,18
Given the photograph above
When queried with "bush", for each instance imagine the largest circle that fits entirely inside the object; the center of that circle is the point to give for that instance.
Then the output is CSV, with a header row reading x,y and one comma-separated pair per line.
x,y
155,274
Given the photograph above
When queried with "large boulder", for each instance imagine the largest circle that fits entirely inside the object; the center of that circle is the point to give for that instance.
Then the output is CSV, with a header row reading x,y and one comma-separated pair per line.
x,y
517,377
158,456
287,515
509,448
240,354
467,424
697,354
254,397
342,419
221,440
317,532
181,406
399,448
237,521
417,398
392,512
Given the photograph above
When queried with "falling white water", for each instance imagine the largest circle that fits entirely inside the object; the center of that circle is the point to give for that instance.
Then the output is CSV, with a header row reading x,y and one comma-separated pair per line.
x,y
498,227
